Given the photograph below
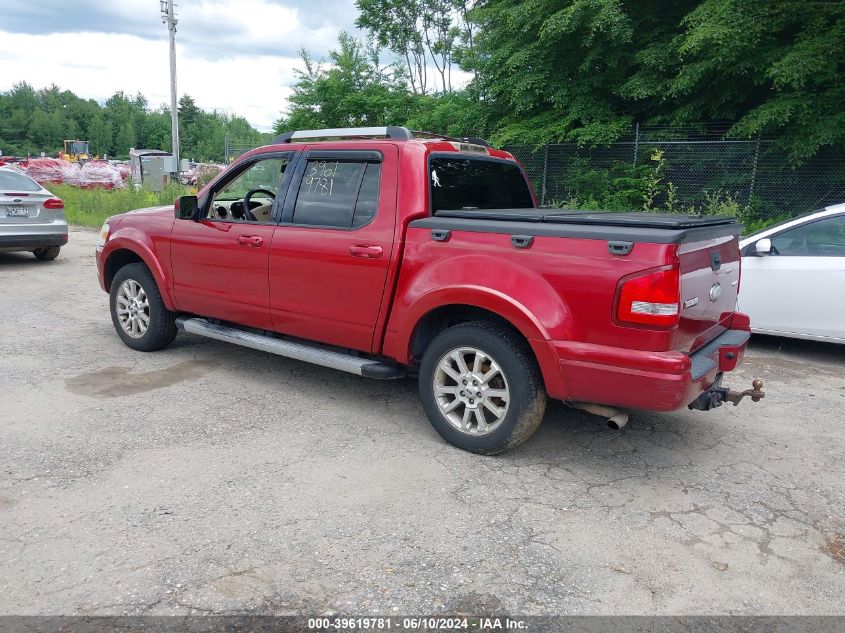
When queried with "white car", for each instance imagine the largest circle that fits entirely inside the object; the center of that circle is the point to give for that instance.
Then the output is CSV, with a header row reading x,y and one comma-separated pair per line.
x,y
793,277
31,218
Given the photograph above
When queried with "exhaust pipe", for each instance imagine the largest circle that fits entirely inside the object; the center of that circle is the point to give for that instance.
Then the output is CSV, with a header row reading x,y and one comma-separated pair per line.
x,y
616,418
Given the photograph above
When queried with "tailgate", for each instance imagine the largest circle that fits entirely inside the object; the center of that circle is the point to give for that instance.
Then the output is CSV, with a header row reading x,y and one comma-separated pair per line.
x,y
709,285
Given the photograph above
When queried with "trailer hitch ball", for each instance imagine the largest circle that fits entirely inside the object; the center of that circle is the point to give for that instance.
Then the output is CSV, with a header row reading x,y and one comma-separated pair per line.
x,y
718,395
755,393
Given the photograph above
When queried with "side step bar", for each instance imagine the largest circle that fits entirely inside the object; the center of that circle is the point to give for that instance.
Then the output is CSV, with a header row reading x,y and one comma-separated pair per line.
x,y
366,367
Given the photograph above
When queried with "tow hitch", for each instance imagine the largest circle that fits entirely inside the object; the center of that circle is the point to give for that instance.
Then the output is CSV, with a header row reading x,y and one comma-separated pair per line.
x,y
717,395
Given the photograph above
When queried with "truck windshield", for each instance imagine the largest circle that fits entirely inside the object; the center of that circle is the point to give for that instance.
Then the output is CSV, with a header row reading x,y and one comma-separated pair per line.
x,y
471,183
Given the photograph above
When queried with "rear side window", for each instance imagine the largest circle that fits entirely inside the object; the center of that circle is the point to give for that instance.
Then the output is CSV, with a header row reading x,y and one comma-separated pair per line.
x,y
462,183
338,194
11,181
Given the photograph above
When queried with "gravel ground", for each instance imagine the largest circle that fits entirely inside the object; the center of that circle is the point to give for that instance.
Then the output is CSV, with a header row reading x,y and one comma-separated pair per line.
x,y
210,478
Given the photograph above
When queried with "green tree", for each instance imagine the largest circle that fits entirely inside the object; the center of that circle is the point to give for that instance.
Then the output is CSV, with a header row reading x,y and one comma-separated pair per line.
x,y
774,67
585,70
124,139
45,130
100,135
354,90
33,121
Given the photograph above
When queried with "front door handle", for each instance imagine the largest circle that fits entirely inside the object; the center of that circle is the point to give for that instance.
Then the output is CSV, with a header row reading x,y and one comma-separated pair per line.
x,y
367,251
250,240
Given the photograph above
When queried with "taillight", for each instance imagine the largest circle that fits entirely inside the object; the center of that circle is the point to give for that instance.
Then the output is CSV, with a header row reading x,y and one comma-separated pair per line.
x,y
651,299
54,203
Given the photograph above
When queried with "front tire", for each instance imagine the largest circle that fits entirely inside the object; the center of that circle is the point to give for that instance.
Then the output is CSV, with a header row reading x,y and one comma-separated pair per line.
x,y
481,387
47,254
138,313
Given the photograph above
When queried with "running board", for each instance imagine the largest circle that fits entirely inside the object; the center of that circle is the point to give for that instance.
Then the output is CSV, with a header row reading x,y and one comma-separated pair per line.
x,y
366,367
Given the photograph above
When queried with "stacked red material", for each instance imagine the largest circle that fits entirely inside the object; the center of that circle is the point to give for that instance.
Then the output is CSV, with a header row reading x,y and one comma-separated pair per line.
x,y
52,171
99,173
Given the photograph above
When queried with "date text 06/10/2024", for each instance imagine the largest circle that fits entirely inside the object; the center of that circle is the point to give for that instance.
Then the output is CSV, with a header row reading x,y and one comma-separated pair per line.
x,y
416,624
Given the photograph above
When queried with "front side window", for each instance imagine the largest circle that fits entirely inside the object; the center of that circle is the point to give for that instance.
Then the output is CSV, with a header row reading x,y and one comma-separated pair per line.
x,y
463,183
822,238
341,194
257,187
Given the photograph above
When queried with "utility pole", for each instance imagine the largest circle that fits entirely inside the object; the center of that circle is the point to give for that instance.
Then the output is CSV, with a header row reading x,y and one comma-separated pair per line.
x,y
168,17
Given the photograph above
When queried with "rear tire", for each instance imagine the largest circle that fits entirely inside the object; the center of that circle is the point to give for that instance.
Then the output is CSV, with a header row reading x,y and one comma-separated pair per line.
x,y
47,254
138,313
481,387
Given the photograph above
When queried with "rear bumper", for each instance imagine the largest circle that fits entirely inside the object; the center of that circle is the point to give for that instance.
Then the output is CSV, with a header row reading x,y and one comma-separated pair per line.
x,y
20,236
28,237
654,381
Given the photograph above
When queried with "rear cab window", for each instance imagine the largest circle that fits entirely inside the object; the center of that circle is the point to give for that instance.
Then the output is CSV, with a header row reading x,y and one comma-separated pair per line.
x,y
460,183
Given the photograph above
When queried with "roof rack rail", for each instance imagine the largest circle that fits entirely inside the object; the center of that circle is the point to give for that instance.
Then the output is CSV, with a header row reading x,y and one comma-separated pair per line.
x,y
435,135
393,132
475,140
390,131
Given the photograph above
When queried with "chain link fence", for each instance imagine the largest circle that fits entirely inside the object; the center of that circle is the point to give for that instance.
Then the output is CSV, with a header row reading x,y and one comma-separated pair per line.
x,y
232,148
675,169
683,170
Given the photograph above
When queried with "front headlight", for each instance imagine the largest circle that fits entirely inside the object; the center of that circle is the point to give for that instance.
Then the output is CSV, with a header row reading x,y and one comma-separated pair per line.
x,y
104,234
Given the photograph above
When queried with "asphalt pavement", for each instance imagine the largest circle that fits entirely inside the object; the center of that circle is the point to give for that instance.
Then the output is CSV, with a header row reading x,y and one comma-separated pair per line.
x,y
208,478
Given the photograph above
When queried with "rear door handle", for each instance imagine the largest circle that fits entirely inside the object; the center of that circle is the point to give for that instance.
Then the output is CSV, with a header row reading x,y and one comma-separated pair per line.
x,y
250,240
367,251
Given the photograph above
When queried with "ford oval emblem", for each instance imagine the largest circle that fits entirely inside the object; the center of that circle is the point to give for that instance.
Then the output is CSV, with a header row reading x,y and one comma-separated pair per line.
x,y
715,291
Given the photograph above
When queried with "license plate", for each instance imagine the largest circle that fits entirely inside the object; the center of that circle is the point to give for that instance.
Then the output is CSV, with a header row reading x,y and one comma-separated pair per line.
x,y
17,212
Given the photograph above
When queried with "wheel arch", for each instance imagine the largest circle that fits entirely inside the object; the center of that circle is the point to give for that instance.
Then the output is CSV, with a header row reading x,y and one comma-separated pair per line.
x,y
439,319
434,319
123,254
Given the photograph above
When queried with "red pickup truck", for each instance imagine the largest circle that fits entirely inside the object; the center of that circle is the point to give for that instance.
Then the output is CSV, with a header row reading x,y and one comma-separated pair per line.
x,y
383,253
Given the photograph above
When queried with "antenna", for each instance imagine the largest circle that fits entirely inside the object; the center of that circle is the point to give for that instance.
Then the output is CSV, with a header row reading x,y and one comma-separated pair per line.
x,y
168,17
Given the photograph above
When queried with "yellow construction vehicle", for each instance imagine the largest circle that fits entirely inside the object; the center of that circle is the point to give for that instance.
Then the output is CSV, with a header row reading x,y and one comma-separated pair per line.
x,y
76,152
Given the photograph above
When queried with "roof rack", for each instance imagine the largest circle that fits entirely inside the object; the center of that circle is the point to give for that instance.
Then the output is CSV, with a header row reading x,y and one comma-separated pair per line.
x,y
475,140
392,132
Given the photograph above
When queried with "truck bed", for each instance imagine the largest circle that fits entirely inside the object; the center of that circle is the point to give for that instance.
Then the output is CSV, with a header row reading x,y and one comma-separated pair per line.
x,y
657,228
602,249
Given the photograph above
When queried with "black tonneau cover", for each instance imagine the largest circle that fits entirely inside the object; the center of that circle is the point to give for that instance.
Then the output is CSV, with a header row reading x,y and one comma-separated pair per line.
x,y
659,228
601,218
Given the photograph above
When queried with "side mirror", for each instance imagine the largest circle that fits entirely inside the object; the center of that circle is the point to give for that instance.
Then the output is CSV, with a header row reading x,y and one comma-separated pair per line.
x,y
763,247
186,208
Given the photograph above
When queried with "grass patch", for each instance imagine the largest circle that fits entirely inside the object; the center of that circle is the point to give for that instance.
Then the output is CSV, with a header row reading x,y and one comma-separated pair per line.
x,y
91,207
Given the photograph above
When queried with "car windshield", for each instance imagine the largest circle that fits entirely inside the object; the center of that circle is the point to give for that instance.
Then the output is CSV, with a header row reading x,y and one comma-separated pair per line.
x,y
13,181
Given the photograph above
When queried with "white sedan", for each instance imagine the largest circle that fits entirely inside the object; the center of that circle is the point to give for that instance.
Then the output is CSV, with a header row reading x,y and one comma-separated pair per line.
x,y
31,218
793,277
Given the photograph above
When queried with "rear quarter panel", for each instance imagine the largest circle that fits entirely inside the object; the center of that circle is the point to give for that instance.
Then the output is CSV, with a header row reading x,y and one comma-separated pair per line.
x,y
557,289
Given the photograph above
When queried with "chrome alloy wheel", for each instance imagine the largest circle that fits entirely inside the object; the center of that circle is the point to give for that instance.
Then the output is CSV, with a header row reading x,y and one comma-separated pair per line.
x,y
471,391
133,308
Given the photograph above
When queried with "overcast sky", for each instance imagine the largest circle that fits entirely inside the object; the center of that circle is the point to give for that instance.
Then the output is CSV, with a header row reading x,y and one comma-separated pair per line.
x,y
236,56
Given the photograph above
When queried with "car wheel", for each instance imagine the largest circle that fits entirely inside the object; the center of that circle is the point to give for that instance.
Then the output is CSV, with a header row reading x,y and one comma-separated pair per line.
x,y
481,387
141,319
47,254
